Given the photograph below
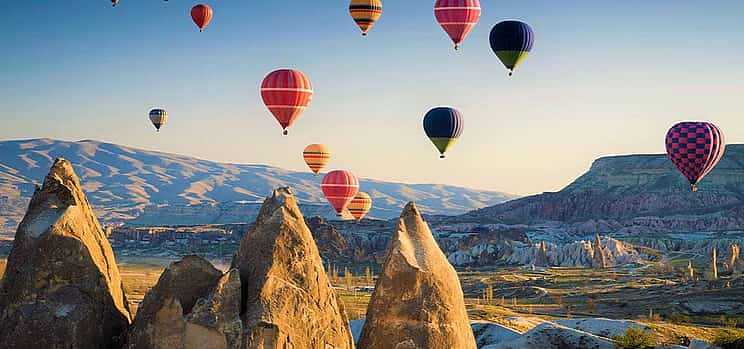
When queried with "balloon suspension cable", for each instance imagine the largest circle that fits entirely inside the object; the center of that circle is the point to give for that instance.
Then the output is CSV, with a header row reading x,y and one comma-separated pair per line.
x,y
693,188
285,132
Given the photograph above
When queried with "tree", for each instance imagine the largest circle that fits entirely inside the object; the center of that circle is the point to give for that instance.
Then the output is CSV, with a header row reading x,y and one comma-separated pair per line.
x,y
734,257
368,275
635,338
714,264
349,279
690,270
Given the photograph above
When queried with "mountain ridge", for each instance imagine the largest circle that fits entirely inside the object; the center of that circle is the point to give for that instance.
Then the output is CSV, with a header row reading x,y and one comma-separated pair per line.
x,y
122,182
633,193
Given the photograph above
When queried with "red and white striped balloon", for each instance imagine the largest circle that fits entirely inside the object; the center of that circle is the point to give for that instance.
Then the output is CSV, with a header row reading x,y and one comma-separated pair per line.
x,y
457,17
339,188
286,93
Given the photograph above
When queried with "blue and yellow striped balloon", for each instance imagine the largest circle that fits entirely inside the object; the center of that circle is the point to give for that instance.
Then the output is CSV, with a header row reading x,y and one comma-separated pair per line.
x,y
443,125
511,41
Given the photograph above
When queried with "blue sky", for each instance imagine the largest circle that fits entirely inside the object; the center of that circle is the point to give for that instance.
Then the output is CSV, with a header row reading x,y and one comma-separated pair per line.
x,y
605,77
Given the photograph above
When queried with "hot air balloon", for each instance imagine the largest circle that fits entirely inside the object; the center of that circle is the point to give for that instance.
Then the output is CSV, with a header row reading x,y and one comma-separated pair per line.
x,y
457,17
695,147
339,187
201,14
511,41
316,157
286,92
360,205
365,13
158,117
443,125
114,2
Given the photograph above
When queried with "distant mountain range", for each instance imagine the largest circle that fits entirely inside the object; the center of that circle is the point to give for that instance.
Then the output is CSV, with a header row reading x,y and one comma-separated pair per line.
x,y
633,194
123,182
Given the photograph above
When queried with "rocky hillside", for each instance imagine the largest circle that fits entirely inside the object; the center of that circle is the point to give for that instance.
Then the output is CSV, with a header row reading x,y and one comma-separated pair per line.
x,y
124,182
634,194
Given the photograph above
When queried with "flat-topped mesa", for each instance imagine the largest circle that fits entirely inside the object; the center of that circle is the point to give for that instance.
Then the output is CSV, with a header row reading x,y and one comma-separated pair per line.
x,y
62,288
418,302
287,300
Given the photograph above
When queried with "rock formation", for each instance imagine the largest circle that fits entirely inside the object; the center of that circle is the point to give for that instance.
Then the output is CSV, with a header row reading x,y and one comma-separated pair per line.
x,y
541,260
329,240
598,258
192,306
577,253
553,336
287,300
62,287
417,302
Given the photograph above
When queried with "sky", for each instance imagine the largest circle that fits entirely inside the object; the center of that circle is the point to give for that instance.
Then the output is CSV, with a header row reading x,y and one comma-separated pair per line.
x,y
604,78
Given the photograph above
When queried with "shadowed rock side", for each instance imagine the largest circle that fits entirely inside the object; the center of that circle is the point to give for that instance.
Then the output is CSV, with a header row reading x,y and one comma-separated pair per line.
x,y
418,302
287,299
62,287
193,305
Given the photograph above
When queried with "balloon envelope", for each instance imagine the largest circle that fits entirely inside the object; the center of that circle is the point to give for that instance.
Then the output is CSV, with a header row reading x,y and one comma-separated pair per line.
x,y
202,15
339,188
365,13
457,17
443,125
511,41
360,205
286,93
158,117
316,157
695,148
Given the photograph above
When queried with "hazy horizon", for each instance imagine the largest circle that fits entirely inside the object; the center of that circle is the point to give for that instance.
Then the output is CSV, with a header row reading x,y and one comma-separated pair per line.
x,y
603,79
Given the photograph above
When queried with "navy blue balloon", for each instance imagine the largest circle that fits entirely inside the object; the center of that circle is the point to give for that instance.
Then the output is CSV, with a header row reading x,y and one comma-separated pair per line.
x,y
511,41
443,125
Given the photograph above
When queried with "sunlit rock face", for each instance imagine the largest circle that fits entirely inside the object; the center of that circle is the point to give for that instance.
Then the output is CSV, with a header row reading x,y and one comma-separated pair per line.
x,y
62,288
418,302
287,300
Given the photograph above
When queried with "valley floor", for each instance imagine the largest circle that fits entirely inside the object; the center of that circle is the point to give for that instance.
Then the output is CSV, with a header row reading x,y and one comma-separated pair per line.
x,y
521,299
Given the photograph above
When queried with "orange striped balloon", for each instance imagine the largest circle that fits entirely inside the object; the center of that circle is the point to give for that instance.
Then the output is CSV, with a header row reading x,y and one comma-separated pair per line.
x,y
365,13
316,157
360,205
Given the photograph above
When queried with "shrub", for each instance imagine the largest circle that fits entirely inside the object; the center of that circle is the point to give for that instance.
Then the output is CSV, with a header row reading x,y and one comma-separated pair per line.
x,y
677,318
729,340
635,338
